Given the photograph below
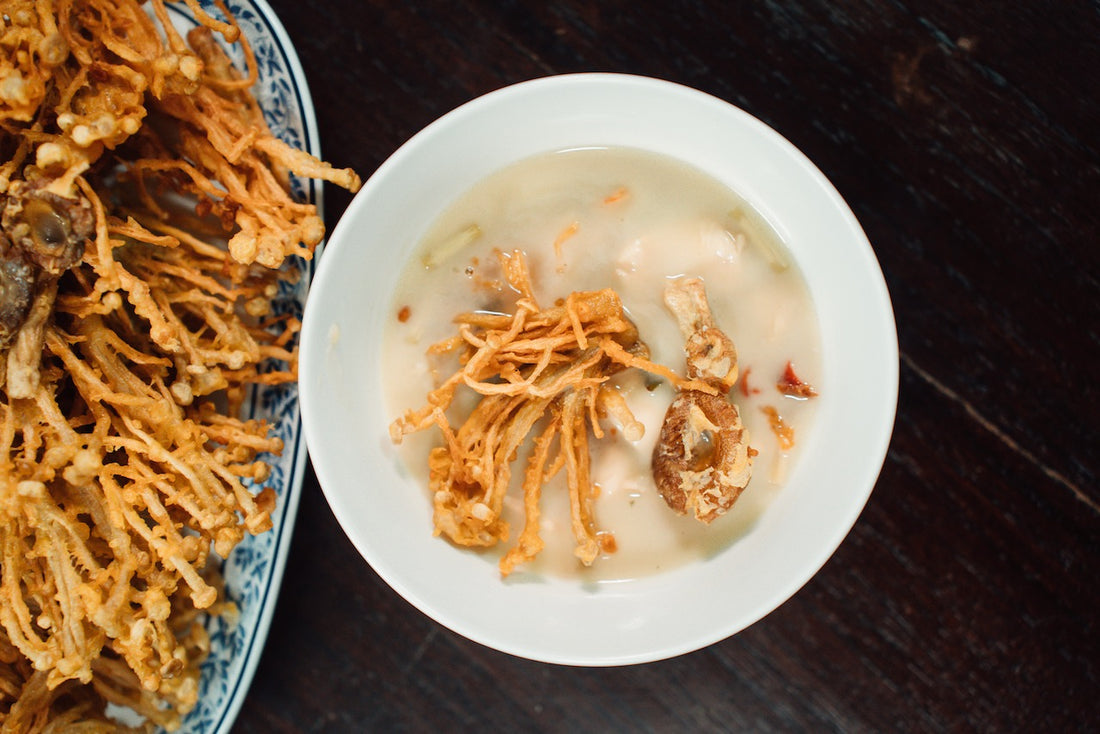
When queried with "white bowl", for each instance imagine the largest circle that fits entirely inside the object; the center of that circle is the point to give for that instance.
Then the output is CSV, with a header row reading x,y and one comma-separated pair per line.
x,y
557,619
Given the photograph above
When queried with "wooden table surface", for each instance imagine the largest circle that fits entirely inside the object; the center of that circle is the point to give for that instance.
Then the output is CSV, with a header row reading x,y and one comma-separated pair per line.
x,y
965,139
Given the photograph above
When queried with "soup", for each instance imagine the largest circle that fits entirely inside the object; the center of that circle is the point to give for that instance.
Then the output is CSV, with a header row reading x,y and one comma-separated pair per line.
x,y
629,220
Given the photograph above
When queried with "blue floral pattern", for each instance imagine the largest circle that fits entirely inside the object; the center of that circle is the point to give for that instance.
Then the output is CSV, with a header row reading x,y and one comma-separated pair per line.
x,y
254,569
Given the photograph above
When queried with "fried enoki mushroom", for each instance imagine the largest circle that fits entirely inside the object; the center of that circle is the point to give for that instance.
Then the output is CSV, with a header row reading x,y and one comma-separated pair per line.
x,y
541,371
144,208
702,461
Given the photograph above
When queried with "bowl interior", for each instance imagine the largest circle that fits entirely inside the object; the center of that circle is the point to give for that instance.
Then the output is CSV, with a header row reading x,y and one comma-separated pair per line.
x,y
388,517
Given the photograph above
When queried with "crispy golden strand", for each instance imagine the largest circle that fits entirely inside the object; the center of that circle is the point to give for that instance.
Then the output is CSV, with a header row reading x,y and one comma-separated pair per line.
x,y
141,259
538,370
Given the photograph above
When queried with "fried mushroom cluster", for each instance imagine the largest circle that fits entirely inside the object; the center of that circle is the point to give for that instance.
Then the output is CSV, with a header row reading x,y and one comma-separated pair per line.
x,y
145,221
539,373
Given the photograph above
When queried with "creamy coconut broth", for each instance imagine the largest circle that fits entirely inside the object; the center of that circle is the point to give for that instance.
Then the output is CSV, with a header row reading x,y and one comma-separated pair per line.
x,y
595,218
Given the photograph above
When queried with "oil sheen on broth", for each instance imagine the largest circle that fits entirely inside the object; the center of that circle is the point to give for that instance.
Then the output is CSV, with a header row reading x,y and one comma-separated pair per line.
x,y
629,220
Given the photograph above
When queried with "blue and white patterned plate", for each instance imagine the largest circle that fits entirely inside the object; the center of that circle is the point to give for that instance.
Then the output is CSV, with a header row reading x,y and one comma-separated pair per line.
x,y
253,572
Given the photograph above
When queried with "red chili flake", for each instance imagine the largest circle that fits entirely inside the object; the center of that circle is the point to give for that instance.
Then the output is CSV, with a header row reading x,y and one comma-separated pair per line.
x,y
745,389
791,384
403,314
606,541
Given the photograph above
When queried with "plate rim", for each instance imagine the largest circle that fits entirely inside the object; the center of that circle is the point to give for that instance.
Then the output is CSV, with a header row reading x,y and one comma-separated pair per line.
x,y
224,717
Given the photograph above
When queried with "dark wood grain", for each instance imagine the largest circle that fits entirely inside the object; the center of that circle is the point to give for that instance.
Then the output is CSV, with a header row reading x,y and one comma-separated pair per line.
x,y
965,139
